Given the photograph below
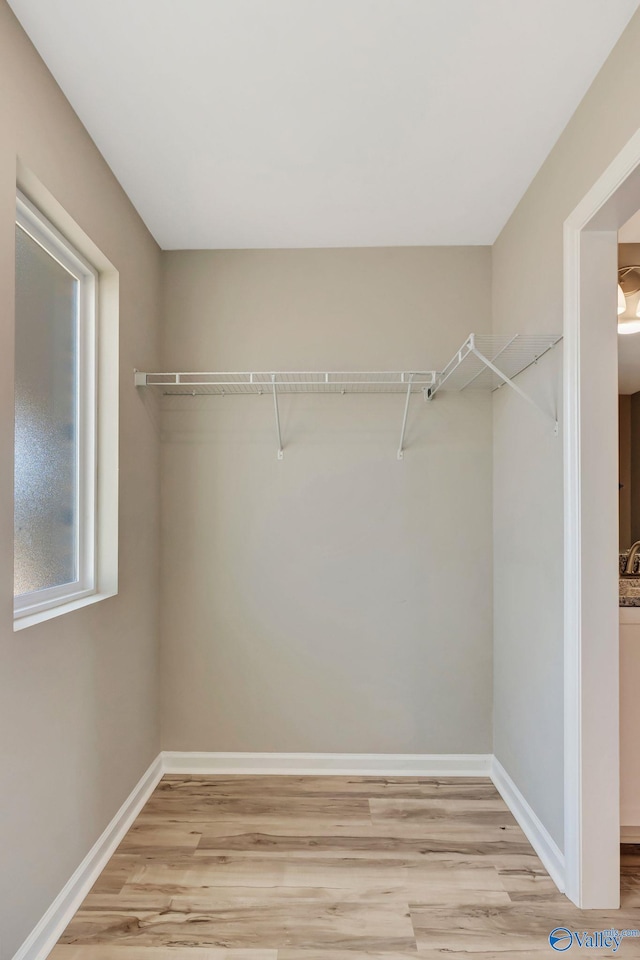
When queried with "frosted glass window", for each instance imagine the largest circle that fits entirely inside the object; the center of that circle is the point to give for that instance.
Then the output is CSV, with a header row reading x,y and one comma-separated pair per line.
x,y
54,478
46,439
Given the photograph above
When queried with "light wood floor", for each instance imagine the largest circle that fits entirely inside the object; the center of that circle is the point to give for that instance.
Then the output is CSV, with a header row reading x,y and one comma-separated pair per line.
x,y
329,868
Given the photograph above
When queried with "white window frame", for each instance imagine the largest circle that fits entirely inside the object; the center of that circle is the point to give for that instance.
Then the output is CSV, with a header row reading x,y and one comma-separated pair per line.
x,y
43,232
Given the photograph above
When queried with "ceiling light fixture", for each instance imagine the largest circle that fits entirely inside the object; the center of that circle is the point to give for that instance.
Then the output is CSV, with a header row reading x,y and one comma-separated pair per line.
x,y
628,286
629,326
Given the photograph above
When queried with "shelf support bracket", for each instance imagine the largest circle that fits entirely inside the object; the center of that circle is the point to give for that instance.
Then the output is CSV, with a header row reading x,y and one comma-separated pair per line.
x,y
277,412
513,385
404,419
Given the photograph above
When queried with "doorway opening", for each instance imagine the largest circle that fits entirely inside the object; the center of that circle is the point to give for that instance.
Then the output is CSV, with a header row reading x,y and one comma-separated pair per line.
x,y
591,668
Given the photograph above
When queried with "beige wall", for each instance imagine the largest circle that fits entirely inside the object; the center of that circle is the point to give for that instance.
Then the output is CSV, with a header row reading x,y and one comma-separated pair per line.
x,y
78,694
338,600
634,469
528,525
624,471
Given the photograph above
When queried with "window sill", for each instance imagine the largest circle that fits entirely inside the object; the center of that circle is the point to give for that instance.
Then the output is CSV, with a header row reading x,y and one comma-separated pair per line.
x,y
29,620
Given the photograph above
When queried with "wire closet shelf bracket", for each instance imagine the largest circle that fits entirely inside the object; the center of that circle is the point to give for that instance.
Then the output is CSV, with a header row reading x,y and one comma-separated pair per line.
x,y
492,361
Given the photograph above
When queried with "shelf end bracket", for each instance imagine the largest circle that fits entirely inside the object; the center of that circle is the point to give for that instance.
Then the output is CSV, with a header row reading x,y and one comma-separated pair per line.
x,y
404,419
277,413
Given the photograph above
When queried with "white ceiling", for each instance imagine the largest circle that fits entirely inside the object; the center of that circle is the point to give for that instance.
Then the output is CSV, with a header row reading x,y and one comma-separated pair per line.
x,y
295,123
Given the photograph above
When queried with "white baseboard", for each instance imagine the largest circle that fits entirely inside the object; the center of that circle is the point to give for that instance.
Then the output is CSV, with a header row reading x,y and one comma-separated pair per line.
x,y
336,764
537,834
43,937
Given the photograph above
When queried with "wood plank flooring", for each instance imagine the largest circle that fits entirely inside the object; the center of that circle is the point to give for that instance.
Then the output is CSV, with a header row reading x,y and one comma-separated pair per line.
x,y
330,868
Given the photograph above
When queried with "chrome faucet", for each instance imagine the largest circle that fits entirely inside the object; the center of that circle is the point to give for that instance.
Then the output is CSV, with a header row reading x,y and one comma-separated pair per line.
x,y
633,553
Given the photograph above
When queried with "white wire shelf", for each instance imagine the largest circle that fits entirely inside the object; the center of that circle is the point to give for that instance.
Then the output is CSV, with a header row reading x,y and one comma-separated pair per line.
x,y
221,384
511,354
483,362
490,361
278,383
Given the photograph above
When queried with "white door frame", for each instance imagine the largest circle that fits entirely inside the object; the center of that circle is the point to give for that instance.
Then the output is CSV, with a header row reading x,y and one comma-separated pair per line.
x,y
591,616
